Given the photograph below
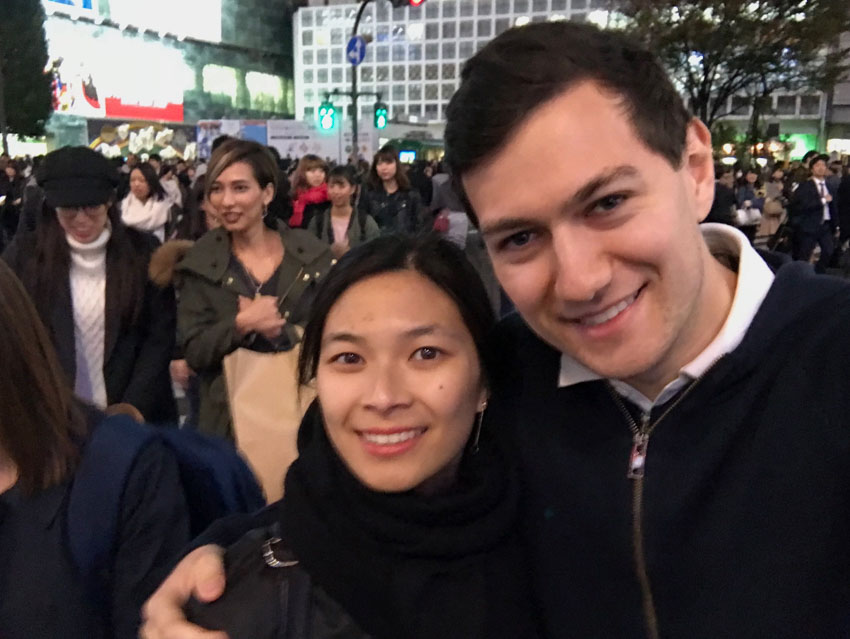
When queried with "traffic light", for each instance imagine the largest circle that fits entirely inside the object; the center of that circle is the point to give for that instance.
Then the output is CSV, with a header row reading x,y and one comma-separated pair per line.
x,y
401,3
381,117
327,116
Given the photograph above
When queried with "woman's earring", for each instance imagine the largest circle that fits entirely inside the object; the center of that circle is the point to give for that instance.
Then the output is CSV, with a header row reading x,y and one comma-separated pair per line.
x,y
265,211
476,435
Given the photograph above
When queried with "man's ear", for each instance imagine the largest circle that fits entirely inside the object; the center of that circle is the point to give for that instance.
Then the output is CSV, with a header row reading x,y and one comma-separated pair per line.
x,y
699,163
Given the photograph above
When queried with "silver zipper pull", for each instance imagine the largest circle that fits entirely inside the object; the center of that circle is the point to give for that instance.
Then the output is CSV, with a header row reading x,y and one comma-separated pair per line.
x,y
640,442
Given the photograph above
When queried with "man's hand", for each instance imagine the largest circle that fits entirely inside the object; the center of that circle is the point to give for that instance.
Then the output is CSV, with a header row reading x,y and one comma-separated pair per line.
x,y
180,373
199,574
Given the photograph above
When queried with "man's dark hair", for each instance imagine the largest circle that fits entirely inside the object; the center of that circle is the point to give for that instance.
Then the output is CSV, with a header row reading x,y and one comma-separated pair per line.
x,y
527,66
819,158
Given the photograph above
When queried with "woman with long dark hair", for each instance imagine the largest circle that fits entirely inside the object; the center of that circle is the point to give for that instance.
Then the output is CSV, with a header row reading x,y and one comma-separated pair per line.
x,y
390,199
51,583
87,274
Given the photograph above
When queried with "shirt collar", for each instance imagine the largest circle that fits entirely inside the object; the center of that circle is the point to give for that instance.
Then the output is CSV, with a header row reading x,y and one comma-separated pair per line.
x,y
754,280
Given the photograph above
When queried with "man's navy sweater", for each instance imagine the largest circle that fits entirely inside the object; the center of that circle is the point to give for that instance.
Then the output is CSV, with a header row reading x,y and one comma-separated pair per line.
x,y
745,525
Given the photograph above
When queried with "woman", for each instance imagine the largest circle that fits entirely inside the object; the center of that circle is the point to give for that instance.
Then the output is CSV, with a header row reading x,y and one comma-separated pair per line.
x,y
750,199
147,206
247,283
48,444
336,222
10,211
310,189
396,207
774,203
87,273
399,516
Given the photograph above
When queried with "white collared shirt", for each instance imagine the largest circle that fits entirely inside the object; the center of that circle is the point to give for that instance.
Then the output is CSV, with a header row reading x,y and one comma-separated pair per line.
x,y
754,281
820,185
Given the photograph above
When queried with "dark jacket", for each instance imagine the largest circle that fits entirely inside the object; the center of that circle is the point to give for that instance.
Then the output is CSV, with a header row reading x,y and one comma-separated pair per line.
x,y
136,358
746,497
843,207
399,212
723,208
361,226
41,593
806,209
209,302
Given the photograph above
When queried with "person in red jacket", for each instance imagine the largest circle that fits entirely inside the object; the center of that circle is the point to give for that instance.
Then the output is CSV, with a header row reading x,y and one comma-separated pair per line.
x,y
310,188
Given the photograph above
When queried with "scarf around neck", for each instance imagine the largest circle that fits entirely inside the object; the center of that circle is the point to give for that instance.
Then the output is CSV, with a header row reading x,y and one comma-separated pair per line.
x,y
407,565
313,195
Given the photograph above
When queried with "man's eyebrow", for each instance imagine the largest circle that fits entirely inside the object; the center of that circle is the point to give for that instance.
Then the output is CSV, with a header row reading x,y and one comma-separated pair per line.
x,y
584,193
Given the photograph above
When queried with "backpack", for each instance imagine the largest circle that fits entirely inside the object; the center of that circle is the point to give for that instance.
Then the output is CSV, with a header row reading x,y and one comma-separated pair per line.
x,y
361,220
216,480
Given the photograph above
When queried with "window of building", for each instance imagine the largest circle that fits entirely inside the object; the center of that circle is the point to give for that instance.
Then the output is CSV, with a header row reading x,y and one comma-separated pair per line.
x,y
336,75
502,25
414,52
336,55
307,37
448,91
399,52
521,6
541,5
449,30
367,74
467,29
432,10
466,49
415,110
309,112
432,72
449,71
485,7
308,56
219,80
559,5
414,72
383,73
306,18
414,92
322,56
432,31
432,91
322,76
740,105
485,28
398,92
449,8
785,104
432,111
308,76
383,33
323,37
449,50
810,105
337,36
432,51
467,9
503,7
399,72
382,53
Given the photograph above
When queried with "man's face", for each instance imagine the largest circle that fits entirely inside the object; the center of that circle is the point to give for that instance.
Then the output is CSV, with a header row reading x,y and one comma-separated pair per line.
x,y
727,179
595,237
818,168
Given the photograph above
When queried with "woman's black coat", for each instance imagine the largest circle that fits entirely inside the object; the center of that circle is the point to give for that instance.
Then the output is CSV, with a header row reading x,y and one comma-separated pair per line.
x,y
136,358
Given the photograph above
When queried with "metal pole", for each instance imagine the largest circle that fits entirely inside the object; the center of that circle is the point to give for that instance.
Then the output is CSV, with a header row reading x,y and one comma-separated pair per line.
x,y
355,139
4,128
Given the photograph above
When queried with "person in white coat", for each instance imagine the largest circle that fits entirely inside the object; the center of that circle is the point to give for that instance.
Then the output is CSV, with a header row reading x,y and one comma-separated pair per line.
x,y
147,207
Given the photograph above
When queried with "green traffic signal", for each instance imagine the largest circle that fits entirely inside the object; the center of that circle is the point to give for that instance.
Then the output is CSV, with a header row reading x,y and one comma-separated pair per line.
x,y
327,116
381,115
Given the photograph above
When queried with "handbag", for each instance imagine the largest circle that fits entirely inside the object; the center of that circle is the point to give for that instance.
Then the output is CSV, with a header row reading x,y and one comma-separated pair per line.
x,y
266,407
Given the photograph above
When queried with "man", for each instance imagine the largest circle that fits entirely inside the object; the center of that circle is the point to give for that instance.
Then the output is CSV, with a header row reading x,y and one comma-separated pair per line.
x,y
724,205
679,412
814,217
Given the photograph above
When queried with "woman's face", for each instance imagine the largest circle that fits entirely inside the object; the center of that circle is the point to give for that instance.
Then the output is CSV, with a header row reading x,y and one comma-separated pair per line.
x,y
386,169
751,177
238,199
10,172
399,382
340,192
139,185
778,175
315,177
84,223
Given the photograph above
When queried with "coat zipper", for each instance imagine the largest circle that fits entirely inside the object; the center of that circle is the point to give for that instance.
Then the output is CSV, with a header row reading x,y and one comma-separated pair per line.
x,y
636,472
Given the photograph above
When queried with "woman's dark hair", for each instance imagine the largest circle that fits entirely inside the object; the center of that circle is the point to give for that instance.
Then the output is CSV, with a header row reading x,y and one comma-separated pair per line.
x,y
388,154
436,259
527,66
46,270
339,173
41,425
254,154
299,176
157,192
193,224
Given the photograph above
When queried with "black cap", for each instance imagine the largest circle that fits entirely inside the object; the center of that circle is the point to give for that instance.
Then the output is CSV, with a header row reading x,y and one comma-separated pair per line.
x,y
76,176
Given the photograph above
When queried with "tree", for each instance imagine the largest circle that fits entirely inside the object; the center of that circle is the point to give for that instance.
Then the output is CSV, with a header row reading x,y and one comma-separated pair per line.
x,y
25,89
716,49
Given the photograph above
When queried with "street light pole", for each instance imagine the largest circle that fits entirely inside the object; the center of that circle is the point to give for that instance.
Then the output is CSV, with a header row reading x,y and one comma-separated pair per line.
x,y
355,140
4,127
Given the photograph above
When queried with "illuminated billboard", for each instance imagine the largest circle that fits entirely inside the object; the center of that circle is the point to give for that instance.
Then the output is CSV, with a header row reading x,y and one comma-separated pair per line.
x,y
199,19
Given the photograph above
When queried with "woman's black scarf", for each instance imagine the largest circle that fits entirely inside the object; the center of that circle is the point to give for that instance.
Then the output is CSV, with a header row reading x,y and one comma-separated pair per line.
x,y
406,565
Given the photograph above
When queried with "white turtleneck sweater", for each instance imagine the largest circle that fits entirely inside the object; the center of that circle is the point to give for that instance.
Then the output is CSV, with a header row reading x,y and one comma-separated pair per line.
x,y
88,298
151,216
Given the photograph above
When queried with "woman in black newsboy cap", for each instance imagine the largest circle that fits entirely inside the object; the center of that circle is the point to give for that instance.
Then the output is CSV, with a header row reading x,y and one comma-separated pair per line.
x,y
114,330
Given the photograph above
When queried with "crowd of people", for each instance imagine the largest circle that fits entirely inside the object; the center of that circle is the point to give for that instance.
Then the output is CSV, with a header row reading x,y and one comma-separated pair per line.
x,y
653,445
792,207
